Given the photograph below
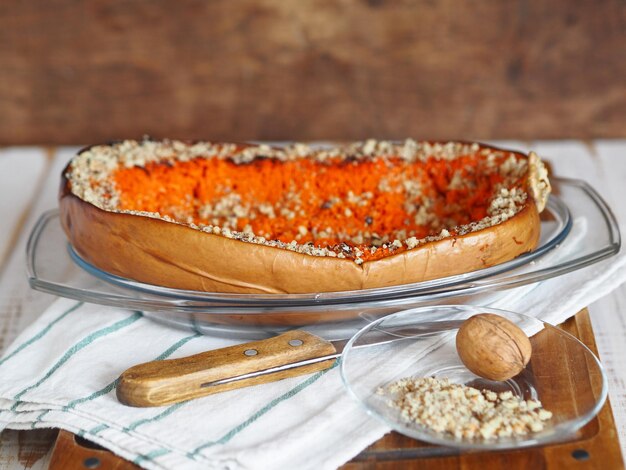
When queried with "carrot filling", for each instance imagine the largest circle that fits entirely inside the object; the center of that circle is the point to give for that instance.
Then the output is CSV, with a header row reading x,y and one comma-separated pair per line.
x,y
368,207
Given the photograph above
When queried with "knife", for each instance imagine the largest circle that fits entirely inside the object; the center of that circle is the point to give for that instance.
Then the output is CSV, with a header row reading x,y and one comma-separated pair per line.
x,y
290,354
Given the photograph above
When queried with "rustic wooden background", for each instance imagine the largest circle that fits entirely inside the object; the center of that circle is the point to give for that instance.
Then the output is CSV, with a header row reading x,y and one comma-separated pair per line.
x,y
82,72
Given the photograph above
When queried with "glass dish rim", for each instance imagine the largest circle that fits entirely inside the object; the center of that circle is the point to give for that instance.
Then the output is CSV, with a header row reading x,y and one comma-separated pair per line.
x,y
254,304
467,445
556,205
328,298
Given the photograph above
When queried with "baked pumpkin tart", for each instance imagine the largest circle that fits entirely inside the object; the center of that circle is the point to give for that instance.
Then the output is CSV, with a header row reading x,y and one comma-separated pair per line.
x,y
225,217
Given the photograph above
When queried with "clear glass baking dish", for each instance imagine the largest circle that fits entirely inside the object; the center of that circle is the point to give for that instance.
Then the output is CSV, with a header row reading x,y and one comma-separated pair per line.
x,y
578,229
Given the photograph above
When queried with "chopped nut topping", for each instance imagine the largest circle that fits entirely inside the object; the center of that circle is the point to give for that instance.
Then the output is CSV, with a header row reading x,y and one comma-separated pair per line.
x,y
464,412
355,224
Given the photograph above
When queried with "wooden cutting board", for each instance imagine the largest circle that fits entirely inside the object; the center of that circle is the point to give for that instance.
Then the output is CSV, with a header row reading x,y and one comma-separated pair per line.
x,y
594,446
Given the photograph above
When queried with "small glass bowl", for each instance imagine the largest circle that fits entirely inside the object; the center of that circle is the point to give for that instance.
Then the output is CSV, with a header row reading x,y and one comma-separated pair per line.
x,y
563,373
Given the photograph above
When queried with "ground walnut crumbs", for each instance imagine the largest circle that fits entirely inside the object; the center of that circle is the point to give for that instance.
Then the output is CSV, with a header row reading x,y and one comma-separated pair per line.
x,y
464,412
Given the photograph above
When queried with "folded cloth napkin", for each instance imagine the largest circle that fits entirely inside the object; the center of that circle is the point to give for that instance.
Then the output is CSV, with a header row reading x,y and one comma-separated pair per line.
x,y
62,370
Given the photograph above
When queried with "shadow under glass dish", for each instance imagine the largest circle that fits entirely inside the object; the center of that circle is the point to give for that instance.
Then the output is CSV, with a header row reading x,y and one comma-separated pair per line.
x,y
565,246
552,375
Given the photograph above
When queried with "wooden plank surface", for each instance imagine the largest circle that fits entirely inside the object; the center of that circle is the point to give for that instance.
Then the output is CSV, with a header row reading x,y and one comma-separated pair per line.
x,y
602,163
311,69
610,321
19,450
21,171
19,304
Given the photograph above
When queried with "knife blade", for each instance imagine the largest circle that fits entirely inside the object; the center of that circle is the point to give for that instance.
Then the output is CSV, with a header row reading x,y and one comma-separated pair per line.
x,y
289,354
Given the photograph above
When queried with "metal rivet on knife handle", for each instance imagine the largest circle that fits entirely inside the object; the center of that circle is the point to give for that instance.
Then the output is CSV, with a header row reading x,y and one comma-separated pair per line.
x,y
295,342
251,352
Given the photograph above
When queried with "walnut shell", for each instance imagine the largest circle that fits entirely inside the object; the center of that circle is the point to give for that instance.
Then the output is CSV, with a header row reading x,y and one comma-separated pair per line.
x,y
493,347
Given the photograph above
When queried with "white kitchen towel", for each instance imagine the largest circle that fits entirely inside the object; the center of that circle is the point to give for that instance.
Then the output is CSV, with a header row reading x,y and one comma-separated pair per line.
x,y
61,372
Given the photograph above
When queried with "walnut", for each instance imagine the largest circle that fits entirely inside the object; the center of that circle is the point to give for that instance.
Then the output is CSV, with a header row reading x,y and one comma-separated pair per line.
x,y
493,347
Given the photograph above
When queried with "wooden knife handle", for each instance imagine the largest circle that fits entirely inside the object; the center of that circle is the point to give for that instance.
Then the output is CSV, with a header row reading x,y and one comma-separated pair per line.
x,y
170,381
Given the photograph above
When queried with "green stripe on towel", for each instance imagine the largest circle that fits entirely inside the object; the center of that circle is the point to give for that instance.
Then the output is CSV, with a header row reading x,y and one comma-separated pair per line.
x,y
42,333
93,396
77,347
103,391
237,429
98,428
168,411
151,455
39,419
